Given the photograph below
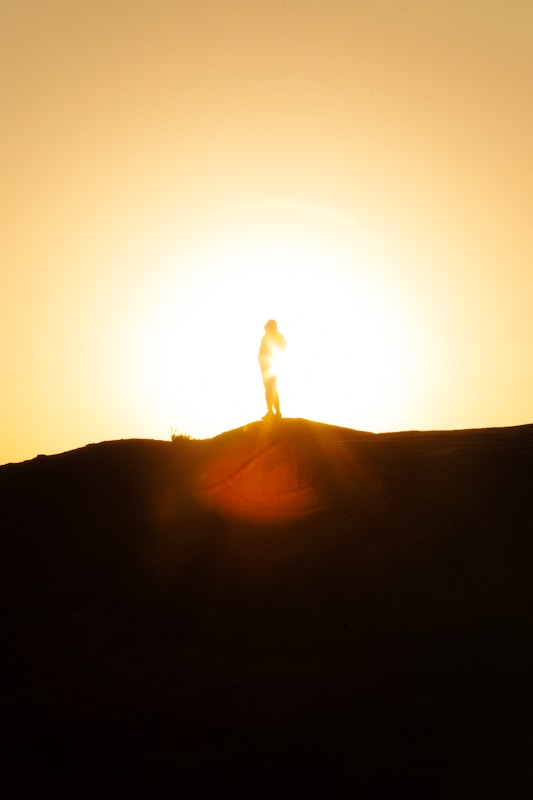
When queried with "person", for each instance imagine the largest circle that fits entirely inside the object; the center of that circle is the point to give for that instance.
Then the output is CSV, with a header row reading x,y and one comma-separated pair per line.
x,y
272,343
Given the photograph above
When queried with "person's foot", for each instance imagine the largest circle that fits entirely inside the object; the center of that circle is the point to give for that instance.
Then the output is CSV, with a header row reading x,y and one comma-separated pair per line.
x,y
269,415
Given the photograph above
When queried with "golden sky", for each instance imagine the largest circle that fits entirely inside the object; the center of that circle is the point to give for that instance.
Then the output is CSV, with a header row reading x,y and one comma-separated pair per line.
x,y
175,173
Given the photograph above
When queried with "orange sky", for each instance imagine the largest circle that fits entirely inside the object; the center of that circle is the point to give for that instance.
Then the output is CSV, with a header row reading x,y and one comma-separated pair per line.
x,y
174,173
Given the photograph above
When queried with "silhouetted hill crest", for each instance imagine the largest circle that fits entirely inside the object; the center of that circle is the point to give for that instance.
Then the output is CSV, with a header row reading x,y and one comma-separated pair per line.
x,y
275,592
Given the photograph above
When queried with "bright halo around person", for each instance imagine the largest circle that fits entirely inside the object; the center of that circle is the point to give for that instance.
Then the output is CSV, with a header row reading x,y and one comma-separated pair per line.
x,y
350,358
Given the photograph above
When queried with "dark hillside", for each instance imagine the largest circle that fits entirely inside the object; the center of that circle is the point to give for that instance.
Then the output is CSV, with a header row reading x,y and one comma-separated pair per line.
x,y
291,611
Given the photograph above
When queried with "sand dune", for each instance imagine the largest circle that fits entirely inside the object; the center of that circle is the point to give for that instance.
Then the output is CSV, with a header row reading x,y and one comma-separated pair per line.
x,y
281,611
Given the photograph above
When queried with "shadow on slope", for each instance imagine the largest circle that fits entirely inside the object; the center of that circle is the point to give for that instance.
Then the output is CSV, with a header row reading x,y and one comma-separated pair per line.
x,y
295,610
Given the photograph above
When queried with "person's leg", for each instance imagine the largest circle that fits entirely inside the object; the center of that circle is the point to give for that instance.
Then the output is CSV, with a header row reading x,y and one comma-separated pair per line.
x,y
275,396
270,391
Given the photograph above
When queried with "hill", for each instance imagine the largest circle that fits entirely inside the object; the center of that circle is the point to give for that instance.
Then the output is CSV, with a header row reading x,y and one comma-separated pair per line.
x,y
281,611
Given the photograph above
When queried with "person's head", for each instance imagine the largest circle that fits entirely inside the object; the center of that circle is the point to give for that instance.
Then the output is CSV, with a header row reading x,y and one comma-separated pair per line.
x,y
271,326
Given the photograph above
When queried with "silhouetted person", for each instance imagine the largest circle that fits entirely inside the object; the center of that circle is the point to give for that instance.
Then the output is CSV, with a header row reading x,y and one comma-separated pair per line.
x,y
271,343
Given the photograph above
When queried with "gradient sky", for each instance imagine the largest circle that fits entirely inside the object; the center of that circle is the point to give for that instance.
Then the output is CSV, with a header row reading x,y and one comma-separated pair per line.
x,y
174,173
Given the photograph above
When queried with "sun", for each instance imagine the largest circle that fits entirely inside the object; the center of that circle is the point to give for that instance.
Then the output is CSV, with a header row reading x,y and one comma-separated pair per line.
x,y
349,357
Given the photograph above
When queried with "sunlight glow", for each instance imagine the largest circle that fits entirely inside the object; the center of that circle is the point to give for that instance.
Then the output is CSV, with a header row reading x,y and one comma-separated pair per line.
x,y
349,358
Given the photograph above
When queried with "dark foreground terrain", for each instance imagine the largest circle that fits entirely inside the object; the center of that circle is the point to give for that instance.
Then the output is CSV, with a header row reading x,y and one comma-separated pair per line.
x,y
291,611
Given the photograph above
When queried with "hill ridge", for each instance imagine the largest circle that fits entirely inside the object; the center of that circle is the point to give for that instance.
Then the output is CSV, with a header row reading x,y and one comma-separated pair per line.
x,y
287,593
503,433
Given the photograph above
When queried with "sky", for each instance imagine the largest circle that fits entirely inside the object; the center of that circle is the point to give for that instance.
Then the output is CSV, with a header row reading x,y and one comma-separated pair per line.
x,y
173,174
